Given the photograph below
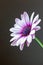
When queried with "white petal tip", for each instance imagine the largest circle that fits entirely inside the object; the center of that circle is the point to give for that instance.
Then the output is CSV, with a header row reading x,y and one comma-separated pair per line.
x,y
40,19
33,36
40,28
16,19
10,34
12,45
25,12
37,15
32,32
28,44
33,13
10,29
11,40
21,49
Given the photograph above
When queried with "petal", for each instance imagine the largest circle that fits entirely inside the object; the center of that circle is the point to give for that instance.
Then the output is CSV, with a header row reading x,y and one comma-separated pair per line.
x,y
12,34
31,18
13,43
35,24
19,22
29,39
36,18
37,28
15,37
12,39
32,32
11,29
21,46
21,41
33,36
22,17
14,29
17,26
27,44
25,17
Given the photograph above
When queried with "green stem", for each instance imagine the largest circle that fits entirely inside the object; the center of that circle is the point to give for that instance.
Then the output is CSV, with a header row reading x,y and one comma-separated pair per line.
x,y
39,42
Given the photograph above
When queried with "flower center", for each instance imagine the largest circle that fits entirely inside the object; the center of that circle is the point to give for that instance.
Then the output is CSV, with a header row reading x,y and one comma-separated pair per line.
x,y
26,30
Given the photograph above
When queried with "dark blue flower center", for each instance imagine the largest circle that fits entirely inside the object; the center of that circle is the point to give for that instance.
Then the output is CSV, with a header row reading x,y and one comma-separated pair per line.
x,y
26,30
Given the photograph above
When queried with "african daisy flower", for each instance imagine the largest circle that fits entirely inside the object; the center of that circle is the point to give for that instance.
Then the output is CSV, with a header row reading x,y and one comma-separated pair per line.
x,y
24,30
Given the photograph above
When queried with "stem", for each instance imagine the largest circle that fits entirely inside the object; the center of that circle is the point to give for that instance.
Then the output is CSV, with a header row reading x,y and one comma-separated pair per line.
x,y
39,42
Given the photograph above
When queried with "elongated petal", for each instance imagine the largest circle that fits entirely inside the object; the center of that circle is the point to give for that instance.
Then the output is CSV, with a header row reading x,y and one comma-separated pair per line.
x,y
15,37
35,24
21,41
37,28
17,26
36,18
31,18
29,39
19,22
12,34
33,36
12,29
21,46
27,44
32,31
13,43
25,17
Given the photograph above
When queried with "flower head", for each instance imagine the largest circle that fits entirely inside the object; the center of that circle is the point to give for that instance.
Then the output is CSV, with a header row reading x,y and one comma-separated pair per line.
x,y
24,30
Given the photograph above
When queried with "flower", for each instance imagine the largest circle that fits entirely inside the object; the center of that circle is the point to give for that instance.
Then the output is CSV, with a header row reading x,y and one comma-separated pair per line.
x,y
24,30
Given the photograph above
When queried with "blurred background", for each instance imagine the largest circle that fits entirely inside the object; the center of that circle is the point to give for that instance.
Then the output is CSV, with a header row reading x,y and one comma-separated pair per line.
x,y
9,10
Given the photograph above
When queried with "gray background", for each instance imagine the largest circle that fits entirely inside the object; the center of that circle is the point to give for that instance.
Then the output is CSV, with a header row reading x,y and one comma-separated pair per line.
x,y
9,10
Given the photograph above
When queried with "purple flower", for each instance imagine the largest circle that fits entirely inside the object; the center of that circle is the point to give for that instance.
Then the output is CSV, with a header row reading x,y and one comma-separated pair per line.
x,y
24,30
